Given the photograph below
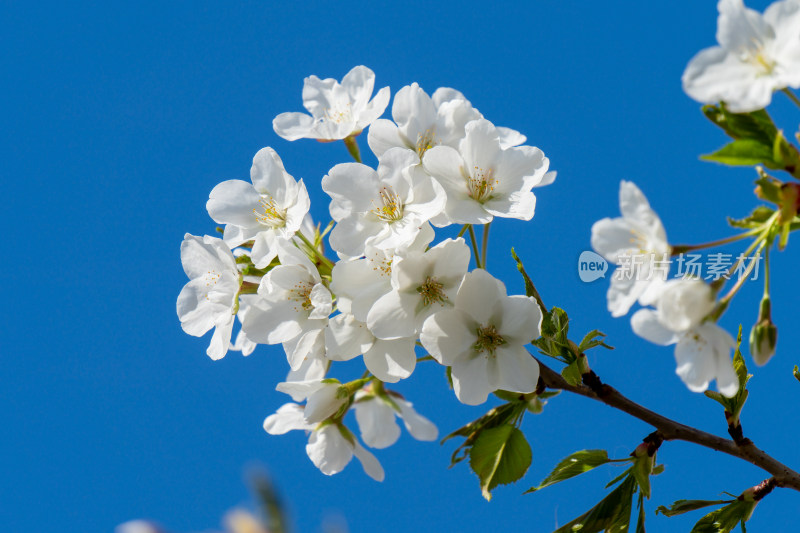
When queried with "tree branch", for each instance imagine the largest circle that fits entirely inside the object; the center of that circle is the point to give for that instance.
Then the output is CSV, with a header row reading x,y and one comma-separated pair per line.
x,y
670,429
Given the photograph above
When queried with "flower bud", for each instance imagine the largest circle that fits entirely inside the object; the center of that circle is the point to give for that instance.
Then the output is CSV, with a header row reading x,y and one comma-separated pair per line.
x,y
764,335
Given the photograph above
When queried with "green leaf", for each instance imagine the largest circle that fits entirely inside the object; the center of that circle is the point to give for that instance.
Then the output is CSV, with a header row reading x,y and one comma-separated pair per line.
x,y
617,479
640,519
572,373
796,373
754,220
592,339
756,125
743,152
642,467
497,416
612,513
530,289
499,456
574,465
725,519
684,506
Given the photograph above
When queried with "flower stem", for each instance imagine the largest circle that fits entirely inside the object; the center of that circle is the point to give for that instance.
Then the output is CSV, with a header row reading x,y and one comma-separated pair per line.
x,y
314,249
791,96
352,147
485,243
463,230
683,248
723,303
474,242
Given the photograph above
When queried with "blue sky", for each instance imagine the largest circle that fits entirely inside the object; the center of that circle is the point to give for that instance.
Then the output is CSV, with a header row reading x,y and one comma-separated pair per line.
x,y
119,118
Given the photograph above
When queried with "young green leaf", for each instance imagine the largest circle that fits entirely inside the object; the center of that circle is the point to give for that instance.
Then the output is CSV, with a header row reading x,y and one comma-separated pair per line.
x,y
530,288
684,506
743,152
572,373
754,220
611,514
574,465
796,373
756,125
735,404
499,456
725,519
592,339
640,519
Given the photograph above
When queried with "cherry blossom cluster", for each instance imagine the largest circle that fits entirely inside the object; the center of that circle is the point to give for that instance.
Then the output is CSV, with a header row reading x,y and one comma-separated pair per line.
x,y
677,311
390,288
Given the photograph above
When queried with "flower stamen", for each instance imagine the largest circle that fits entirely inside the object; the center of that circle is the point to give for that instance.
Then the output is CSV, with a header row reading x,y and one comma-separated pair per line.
x,y
432,291
488,339
392,208
481,184
271,214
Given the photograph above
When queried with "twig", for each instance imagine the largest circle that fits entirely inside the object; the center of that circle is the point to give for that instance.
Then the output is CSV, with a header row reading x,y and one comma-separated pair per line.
x,y
671,430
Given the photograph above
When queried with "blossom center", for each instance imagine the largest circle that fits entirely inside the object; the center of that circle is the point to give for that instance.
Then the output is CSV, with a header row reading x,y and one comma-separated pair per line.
x,y
426,141
339,115
389,207
212,278
270,214
432,291
487,339
755,56
381,263
481,184
301,293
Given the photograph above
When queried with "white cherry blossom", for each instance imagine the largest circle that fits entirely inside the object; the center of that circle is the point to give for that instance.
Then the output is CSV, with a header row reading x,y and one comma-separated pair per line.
x,y
702,350
359,282
323,397
637,241
338,110
269,210
483,337
422,283
385,208
483,180
757,55
422,122
330,446
388,360
376,409
293,307
210,298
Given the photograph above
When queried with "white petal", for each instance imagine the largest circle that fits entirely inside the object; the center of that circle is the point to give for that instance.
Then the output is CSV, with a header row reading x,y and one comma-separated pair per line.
x,y
391,360
480,295
233,202
420,427
329,450
346,338
645,324
323,402
376,422
287,418
447,335
513,368
293,126
383,135
369,463
471,379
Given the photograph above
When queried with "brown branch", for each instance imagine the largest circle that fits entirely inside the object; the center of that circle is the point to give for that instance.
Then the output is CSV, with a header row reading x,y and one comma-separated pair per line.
x,y
672,430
